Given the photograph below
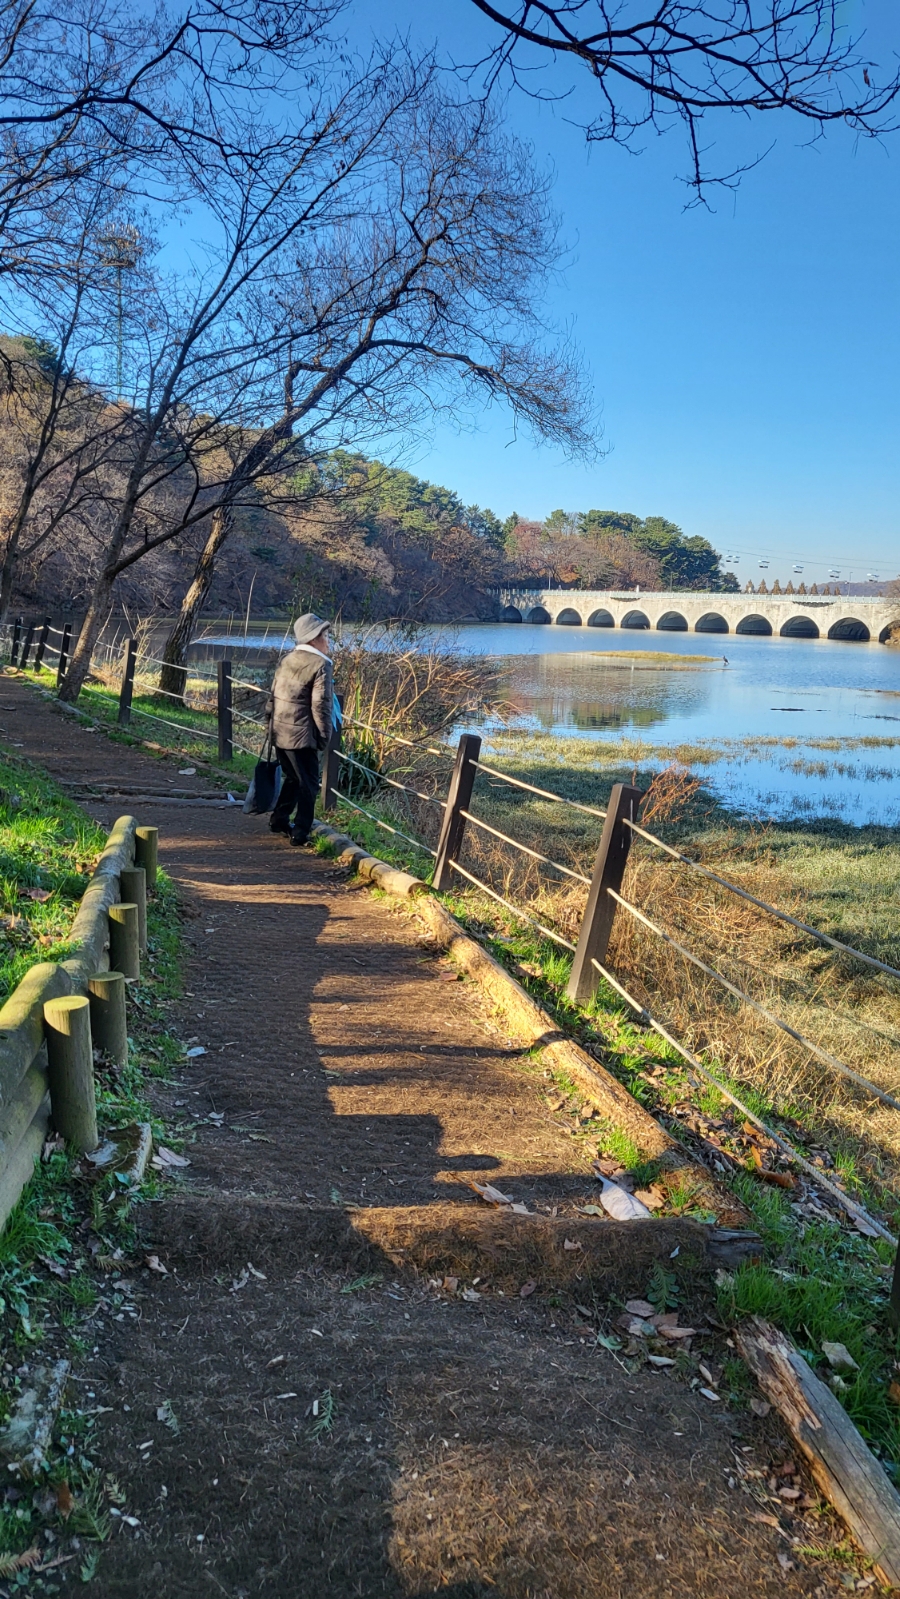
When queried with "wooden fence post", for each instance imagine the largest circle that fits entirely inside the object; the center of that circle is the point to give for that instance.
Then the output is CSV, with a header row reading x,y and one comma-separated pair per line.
x,y
64,653
894,1301
146,852
125,940
26,647
609,869
223,710
331,764
42,644
70,1068
127,689
133,886
16,640
459,796
109,1025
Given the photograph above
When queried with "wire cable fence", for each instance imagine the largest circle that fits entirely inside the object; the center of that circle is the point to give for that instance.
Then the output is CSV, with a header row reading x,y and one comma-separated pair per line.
x,y
523,897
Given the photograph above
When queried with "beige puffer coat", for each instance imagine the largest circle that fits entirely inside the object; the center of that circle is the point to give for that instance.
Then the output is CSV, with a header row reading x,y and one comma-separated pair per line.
x,y
299,707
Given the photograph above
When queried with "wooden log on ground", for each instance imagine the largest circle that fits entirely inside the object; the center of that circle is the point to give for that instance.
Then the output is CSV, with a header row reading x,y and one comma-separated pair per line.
x,y
22,1023
843,1466
90,930
70,1068
124,940
109,1026
530,1024
146,849
390,878
133,883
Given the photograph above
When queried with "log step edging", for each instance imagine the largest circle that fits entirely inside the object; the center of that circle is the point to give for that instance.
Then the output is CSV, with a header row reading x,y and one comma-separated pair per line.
x,y
24,1095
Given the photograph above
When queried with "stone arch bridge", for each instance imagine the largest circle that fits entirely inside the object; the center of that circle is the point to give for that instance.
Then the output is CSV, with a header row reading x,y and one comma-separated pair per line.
x,y
845,617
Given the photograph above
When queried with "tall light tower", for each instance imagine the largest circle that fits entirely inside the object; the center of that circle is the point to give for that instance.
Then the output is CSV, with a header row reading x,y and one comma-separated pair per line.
x,y
121,252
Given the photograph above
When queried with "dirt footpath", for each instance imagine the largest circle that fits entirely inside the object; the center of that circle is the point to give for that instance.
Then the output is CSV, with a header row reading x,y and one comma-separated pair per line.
x,y
292,1412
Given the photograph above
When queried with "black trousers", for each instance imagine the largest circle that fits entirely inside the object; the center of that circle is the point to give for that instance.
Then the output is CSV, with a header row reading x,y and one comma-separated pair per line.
x,y
299,787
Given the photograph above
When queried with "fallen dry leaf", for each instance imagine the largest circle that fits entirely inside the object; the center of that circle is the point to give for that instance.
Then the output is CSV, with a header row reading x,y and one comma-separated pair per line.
x,y
65,1503
709,1394
639,1307
660,1360
894,1392
571,1243
41,895
677,1332
169,1157
10,1564
155,1264
527,1289
760,1408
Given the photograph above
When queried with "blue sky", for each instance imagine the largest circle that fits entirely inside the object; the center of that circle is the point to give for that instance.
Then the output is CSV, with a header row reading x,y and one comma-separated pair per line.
x,y
746,362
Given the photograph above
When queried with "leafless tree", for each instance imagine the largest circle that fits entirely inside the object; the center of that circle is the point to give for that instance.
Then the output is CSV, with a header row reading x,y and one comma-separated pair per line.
x,y
95,88
689,59
425,301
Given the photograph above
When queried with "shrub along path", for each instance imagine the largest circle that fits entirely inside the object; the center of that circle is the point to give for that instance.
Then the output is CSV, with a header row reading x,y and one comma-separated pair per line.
x,y
292,1412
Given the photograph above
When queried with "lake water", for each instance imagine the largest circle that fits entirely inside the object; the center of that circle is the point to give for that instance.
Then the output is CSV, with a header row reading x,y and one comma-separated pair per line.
x,y
777,727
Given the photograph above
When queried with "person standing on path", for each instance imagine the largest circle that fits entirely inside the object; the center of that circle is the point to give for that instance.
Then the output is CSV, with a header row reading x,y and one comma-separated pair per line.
x,y
299,714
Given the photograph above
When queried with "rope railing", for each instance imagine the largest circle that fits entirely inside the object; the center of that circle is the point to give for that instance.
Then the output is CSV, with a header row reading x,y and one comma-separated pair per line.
x,y
382,732
180,727
416,844
381,777
243,682
857,1211
754,1004
516,910
524,849
772,910
544,793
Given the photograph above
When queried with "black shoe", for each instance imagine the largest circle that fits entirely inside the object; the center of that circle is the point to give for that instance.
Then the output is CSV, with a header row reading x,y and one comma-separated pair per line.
x,y
296,839
280,827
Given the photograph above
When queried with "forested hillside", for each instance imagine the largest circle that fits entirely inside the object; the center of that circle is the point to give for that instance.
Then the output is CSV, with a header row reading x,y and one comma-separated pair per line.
x,y
344,534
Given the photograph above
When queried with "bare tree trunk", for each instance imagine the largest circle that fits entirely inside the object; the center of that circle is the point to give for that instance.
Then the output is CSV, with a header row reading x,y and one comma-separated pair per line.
x,y
173,676
7,574
80,664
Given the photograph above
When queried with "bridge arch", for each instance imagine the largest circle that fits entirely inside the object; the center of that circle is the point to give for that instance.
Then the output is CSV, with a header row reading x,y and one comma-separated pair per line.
x,y
850,627
601,619
799,627
711,622
510,613
568,618
538,614
635,619
760,626
890,634
672,622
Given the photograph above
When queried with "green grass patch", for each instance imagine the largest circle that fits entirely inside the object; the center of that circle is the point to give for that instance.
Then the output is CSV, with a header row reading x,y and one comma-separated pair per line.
x,y
71,1237
48,848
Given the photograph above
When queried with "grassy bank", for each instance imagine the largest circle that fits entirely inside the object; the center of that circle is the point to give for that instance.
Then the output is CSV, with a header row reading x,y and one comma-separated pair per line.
x,y
48,849
69,1248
